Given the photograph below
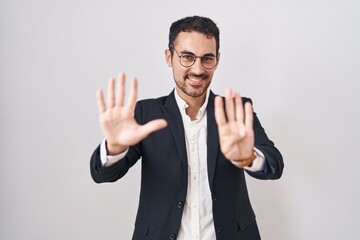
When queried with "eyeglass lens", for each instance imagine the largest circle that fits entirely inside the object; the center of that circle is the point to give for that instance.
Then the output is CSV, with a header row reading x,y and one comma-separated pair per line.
x,y
188,60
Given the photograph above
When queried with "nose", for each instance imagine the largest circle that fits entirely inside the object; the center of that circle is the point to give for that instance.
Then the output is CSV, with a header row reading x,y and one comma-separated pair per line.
x,y
197,67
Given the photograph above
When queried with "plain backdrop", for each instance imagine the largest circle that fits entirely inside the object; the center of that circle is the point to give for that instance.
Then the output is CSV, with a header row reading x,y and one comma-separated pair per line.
x,y
299,60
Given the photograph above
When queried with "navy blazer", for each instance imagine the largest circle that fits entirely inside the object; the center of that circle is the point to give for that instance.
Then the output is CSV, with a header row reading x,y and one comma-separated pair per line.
x,y
164,175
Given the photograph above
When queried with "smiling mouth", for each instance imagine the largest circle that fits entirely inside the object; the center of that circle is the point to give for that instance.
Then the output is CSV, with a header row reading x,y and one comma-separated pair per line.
x,y
196,79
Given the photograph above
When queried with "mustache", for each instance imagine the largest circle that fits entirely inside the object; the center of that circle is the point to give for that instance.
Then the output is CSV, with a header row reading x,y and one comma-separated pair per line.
x,y
203,75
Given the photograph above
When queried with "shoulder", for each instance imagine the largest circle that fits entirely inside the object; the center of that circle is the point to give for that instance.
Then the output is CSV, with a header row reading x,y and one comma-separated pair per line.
x,y
244,99
152,101
148,109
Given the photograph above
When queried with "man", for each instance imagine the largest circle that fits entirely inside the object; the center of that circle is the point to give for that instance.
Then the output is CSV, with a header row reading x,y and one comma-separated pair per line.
x,y
194,146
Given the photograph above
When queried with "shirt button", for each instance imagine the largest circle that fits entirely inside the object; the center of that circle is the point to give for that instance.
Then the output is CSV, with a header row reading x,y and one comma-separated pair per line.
x,y
172,236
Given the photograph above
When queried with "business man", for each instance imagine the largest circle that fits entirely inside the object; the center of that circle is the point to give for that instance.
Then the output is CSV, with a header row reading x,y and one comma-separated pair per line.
x,y
194,146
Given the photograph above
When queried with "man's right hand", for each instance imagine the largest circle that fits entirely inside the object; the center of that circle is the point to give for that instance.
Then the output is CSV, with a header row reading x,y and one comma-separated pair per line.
x,y
117,120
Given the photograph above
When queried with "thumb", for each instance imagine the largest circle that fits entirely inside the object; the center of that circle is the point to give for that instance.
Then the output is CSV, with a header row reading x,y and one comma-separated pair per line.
x,y
153,126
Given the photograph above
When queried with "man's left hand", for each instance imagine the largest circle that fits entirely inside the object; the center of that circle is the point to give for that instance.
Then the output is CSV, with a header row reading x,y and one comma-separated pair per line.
x,y
236,133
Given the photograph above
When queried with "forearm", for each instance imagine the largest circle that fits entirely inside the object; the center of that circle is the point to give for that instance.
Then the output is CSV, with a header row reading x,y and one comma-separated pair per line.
x,y
112,172
273,165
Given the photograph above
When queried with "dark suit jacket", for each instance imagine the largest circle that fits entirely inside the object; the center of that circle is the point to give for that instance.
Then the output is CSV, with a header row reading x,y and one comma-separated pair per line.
x,y
164,175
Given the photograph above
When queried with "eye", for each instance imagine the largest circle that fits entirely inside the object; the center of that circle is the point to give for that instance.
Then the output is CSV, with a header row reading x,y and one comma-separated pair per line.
x,y
188,57
208,59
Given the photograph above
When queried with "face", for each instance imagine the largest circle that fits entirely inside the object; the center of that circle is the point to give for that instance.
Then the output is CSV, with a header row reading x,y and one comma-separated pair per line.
x,y
192,82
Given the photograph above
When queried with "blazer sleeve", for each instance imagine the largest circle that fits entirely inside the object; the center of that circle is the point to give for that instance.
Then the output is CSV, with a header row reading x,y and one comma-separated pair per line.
x,y
274,164
117,170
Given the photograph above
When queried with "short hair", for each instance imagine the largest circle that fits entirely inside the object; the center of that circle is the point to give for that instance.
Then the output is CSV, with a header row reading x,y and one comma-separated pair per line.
x,y
195,23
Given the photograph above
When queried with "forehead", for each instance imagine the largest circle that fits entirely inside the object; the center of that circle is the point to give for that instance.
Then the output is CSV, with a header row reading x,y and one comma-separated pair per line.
x,y
195,42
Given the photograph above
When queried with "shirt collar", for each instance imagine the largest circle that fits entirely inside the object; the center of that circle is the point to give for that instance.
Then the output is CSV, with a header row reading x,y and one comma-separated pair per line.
x,y
183,105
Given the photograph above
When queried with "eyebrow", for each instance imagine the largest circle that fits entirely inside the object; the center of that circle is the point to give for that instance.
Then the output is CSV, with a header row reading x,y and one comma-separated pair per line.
x,y
205,55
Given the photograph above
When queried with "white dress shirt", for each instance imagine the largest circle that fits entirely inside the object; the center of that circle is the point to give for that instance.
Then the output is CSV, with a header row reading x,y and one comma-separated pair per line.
x,y
197,219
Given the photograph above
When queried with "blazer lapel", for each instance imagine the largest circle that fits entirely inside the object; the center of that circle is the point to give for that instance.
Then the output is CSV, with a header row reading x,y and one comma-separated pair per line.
x,y
212,140
172,113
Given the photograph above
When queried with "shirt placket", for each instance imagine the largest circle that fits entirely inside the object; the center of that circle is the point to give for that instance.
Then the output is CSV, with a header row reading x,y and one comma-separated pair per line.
x,y
194,180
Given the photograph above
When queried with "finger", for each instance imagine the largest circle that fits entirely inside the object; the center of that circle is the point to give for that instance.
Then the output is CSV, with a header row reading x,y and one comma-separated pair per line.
x,y
111,89
249,116
100,101
239,109
229,105
133,93
219,111
121,91
153,126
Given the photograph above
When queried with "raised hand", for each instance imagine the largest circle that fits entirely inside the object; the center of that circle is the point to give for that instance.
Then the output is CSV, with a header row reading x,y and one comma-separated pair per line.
x,y
117,120
236,134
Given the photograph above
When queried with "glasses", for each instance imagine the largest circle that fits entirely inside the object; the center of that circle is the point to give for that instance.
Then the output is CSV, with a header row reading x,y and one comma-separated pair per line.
x,y
188,59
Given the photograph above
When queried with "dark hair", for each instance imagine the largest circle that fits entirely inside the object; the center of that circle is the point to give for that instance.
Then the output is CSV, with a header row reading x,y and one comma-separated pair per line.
x,y
195,23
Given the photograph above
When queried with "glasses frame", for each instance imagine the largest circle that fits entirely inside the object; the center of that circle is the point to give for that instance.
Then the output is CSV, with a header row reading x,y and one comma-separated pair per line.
x,y
201,59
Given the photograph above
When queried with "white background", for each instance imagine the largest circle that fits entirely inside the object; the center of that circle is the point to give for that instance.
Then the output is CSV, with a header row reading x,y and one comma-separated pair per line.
x,y
298,60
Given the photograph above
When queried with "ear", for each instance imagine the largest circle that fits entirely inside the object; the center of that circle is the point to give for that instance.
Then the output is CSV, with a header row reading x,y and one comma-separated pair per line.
x,y
168,57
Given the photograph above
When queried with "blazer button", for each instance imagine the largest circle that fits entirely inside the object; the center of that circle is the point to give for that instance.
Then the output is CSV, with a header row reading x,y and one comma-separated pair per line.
x,y
180,205
172,236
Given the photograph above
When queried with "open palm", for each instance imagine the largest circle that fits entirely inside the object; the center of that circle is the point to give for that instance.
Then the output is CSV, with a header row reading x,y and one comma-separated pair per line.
x,y
117,120
236,134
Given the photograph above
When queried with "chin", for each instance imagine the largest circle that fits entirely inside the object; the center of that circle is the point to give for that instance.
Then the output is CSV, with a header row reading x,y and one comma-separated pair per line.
x,y
195,92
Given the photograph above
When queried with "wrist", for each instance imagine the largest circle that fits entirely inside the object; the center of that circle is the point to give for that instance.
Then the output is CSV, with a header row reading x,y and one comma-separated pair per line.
x,y
247,162
249,159
114,149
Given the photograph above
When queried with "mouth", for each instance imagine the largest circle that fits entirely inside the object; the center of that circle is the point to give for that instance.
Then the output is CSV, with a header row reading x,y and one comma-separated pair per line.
x,y
196,80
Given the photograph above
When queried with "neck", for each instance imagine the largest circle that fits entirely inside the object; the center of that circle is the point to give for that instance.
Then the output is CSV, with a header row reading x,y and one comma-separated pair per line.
x,y
194,103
